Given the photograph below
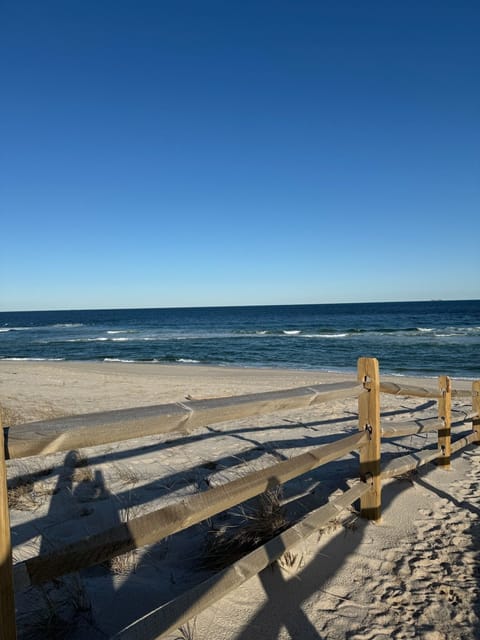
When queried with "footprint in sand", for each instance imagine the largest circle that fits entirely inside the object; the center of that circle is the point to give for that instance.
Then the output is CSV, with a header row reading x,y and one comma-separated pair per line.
x,y
433,590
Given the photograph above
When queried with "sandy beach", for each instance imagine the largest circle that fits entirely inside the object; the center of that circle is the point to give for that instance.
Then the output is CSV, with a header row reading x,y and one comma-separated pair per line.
x,y
412,575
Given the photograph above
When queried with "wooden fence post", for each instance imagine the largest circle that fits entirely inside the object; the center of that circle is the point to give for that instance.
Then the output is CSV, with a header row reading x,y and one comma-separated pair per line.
x,y
476,408
7,601
369,420
444,413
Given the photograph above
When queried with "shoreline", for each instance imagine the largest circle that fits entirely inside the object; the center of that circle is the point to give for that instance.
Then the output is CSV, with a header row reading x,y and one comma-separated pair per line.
x,y
198,364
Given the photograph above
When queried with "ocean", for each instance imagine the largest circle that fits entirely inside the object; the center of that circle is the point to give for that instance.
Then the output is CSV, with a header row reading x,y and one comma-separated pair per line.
x,y
417,338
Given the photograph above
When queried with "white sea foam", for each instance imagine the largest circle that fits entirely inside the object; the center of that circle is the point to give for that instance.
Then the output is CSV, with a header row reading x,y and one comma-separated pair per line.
x,y
41,328
293,332
424,330
325,335
119,339
116,360
66,325
100,339
187,360
15,359
117,331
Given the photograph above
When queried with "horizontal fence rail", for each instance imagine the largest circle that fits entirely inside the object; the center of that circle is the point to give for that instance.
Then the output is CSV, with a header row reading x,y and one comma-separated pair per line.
x,y
412,427
413,461
74,432
157,525
410,391
102,428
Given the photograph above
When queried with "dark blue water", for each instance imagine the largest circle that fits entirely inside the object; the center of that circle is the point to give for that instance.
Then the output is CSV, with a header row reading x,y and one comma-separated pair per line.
x,y
427,338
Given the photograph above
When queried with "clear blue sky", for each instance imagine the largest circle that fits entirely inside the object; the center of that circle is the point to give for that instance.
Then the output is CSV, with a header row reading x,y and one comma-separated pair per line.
x,y
190,152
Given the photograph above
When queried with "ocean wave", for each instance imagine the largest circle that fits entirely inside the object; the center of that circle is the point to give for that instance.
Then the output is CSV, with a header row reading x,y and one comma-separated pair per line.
x,y
100,339
325,335
115,331
136,361
187,360
457,332
341,332
21,359
64,325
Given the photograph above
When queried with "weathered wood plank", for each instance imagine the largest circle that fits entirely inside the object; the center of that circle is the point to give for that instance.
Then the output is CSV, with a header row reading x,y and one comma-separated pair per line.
x,y
463,441
461,393
153,527
476,408
409,462
408,390
469,417
92,429
173,614
411,427
412,461
369,422
7,600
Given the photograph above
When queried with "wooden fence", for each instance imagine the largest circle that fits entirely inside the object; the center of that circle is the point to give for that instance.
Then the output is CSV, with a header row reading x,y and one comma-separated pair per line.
x,y
100,428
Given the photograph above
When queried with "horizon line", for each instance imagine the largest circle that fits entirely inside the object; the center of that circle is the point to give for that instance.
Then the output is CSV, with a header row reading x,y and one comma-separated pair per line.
x,y
237,306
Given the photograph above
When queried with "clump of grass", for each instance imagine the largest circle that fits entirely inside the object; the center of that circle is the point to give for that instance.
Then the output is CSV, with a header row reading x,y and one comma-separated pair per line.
x,y
25,494
124,564
261,523
22,496
351,523
46,623
126,474
127,562
82,472
289,560
187,631
58,612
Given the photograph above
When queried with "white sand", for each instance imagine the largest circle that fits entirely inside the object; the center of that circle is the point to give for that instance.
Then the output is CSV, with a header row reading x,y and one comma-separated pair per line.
x,y
413,575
